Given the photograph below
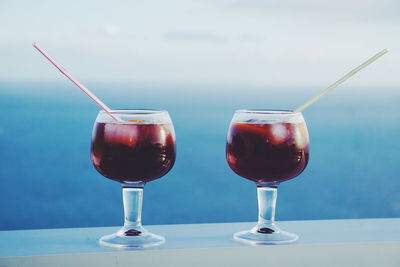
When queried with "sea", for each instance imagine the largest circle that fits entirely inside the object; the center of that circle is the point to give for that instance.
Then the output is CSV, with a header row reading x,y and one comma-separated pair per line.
x,y
47,179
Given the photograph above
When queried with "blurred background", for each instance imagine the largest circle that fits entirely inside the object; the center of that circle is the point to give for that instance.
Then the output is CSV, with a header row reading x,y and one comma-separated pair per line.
x,y
200,60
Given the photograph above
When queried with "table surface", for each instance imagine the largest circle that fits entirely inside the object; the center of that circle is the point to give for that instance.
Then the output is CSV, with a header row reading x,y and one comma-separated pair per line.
x,y
360,241
189,236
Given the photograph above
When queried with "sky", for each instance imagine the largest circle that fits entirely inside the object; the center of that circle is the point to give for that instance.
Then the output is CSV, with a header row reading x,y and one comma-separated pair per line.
x,y
285,43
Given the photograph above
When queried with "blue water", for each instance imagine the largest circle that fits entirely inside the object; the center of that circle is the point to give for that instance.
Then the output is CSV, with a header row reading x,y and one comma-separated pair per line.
x,y
47,180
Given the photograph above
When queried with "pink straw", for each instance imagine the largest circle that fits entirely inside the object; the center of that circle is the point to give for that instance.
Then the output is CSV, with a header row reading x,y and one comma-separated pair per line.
x,y
76,82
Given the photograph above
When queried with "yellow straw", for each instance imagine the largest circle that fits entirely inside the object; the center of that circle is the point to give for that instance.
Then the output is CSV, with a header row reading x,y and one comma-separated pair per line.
x,y
341,80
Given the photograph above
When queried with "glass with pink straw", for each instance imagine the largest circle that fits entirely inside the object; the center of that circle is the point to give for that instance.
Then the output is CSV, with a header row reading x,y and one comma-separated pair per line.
x,y
131,147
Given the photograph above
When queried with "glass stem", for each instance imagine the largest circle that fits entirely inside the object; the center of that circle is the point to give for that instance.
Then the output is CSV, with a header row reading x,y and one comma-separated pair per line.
x,y
133,201
266,209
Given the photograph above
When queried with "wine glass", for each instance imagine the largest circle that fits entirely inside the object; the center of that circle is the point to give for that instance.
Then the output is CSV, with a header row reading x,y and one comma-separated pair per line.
x,y
267,147
138,149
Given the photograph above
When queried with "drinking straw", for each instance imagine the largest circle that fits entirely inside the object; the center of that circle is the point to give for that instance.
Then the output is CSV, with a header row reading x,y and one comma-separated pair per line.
x,y
76,82
341,80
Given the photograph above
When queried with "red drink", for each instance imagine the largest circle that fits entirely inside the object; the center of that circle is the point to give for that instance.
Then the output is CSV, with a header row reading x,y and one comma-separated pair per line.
x,y
133,153
267,153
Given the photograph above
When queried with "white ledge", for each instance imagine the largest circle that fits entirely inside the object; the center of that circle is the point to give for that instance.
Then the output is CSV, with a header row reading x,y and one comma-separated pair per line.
x,y
363,242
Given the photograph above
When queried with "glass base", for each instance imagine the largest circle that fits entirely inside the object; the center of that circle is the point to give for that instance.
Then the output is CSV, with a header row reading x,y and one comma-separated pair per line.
x,y
132,238
265,235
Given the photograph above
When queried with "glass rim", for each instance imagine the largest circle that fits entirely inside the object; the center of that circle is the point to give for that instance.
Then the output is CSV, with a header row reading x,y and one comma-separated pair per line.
x,y
268,111
135,111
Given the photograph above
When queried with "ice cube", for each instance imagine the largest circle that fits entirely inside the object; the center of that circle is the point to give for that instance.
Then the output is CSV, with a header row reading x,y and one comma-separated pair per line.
x,y
300,135
123,134
278,133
